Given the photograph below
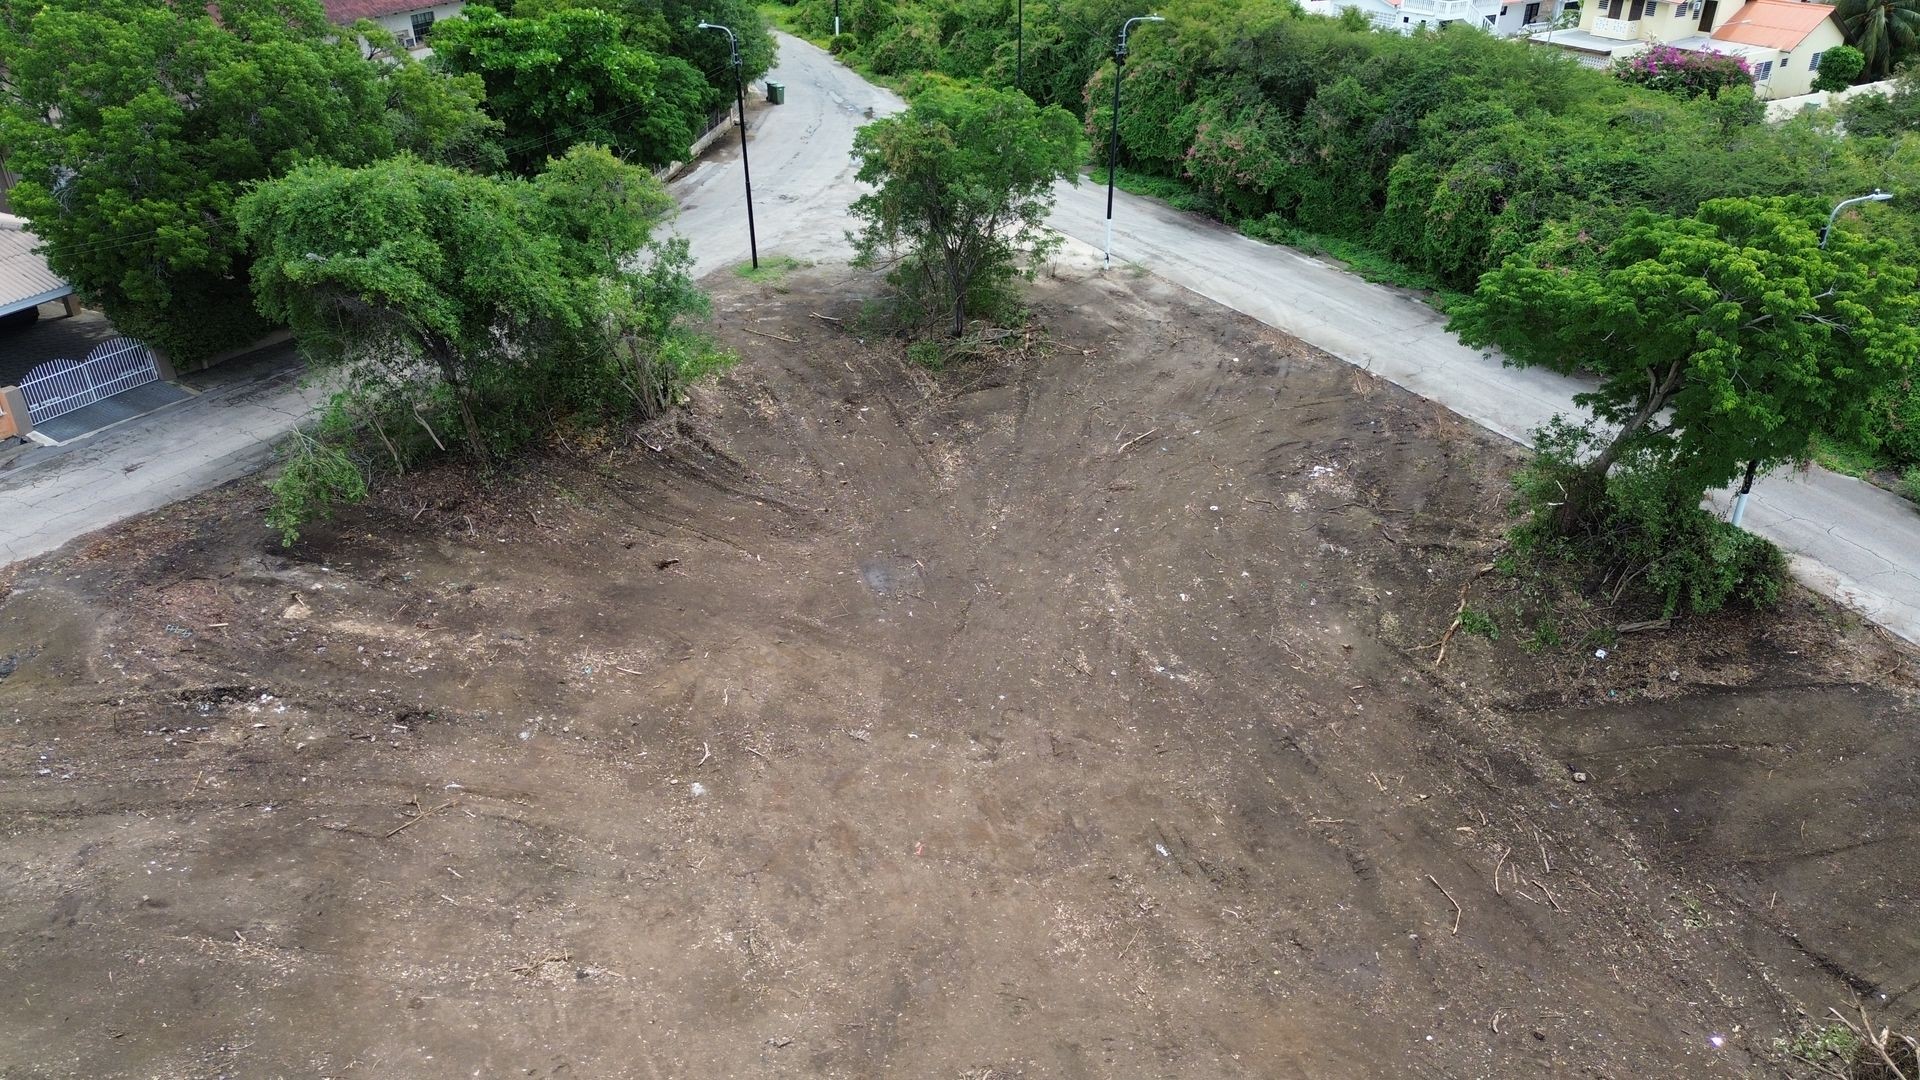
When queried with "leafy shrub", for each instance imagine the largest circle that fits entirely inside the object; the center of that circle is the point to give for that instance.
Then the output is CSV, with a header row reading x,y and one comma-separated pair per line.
x,y
1683,72
317,476
1649,540
1839,66
910,45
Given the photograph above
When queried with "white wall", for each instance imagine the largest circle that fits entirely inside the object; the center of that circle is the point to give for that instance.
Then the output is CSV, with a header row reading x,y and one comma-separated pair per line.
x,y
1783,108
401,25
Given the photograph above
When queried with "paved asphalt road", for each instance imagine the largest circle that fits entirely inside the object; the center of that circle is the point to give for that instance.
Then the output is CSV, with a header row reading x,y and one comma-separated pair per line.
x,y
1850,540
802,172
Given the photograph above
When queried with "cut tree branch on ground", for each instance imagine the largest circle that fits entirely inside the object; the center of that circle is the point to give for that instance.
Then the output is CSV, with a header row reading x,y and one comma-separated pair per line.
x,y
419,817
1450,900
1129,444
1459,615
776,337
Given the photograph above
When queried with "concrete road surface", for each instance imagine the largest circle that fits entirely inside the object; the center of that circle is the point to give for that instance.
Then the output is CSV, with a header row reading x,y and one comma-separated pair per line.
x,y
802,171
50,496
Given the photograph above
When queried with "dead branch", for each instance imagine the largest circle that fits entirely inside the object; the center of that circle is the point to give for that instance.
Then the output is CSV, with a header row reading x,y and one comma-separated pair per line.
x,y
1450,900
1128,445
1504,852
430,432
827,318
417,818
1459,614
776,337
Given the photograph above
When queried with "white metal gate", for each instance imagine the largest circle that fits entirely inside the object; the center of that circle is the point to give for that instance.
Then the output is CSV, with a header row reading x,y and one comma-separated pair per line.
x,y
61,386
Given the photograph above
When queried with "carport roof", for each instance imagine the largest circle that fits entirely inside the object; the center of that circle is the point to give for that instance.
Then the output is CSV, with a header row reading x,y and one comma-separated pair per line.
x,y
25,280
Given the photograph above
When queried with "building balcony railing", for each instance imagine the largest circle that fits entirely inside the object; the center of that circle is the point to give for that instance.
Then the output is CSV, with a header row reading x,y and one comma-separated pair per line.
x,y
1439,9
1617,29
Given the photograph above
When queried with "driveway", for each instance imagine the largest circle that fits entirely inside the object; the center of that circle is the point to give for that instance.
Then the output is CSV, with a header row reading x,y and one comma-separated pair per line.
x,y
224,432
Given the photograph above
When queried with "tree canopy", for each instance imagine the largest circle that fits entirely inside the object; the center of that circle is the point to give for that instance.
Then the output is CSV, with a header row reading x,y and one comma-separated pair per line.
x,y
501,305
1726,336
963,181
134,124
573,75
1883,30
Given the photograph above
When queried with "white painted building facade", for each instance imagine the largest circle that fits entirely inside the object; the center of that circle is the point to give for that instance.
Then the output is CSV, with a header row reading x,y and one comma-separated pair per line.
x,y
1506,18
411,22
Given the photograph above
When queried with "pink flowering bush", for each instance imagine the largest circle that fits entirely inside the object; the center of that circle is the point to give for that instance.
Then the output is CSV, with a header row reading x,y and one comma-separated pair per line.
x,y
1688,74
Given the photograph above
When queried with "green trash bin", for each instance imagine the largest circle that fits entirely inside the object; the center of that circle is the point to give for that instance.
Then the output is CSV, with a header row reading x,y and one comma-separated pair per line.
x,y
776,93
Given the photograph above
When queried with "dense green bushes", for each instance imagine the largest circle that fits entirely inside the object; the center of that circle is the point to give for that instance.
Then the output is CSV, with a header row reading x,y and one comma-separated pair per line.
x,y
1443,152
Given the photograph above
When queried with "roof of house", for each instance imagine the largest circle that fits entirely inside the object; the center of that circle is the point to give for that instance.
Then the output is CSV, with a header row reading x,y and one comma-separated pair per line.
x,y
342,12
25,280
1774,24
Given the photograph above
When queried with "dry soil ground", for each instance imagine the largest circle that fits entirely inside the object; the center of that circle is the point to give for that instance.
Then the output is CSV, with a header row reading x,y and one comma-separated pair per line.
x,y
1056,716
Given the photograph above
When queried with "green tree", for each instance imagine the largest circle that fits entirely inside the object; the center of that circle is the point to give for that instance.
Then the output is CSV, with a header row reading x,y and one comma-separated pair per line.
x,y
963,181
402,268
672,28
569,77
133,125
1722,337
1839,66
1883,30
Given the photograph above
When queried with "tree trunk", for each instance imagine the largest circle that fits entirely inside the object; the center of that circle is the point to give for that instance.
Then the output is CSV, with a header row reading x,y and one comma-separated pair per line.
x,y
443,352
1588,488
956,280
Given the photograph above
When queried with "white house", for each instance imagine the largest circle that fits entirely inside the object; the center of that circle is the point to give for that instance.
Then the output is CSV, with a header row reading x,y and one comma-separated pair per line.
x,y
410,21
1781,40
1506,18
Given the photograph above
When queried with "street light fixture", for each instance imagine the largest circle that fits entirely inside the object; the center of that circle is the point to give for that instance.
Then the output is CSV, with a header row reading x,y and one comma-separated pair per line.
x,y
740,95
1746,486
1113,145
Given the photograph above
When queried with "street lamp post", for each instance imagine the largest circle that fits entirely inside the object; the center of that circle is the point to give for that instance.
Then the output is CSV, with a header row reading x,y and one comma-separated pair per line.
x,y
740,96
1113,144
1019,44
836,18
1746,487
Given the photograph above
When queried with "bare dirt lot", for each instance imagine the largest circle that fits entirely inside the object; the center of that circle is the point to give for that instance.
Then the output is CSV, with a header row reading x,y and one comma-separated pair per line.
x,y
1063,716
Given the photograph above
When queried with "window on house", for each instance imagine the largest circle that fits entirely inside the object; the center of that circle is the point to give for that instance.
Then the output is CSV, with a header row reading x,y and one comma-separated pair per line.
x,y
1532,14
1762,71
1813,62
422,25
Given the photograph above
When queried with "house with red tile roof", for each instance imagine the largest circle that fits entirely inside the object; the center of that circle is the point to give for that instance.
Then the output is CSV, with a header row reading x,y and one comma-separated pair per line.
x,y
1780,40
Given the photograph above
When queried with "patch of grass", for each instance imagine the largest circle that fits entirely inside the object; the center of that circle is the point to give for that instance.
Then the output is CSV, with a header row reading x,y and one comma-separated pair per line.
x,y
1545,635
1479,622
1910,483
1175,193
1357,257
929,354
1821,1044
1846,458
772,270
